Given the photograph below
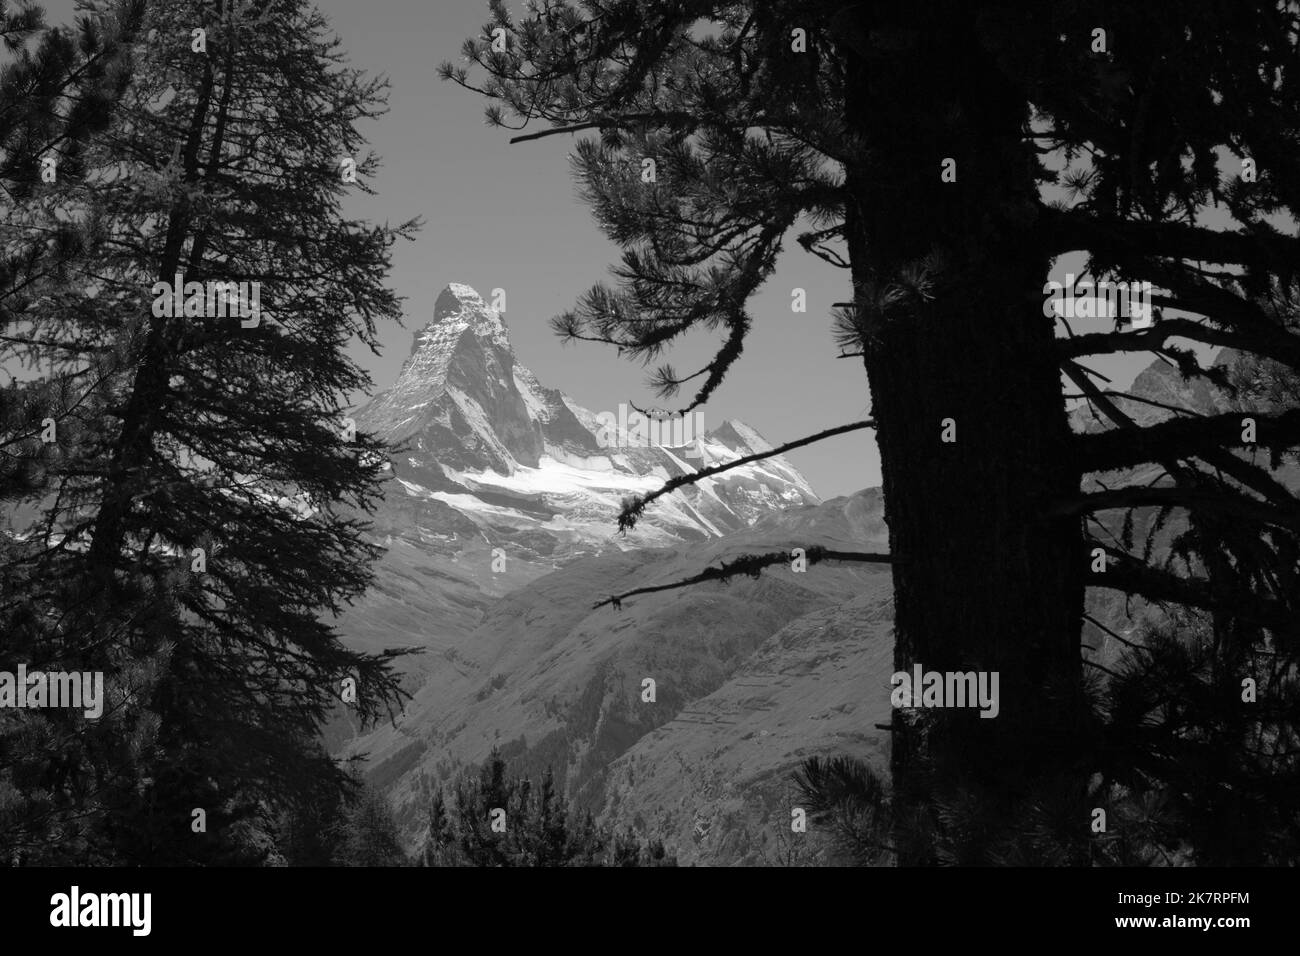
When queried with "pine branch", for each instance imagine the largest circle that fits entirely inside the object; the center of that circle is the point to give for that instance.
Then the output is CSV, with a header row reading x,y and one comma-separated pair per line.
x,y
625,121
633,507
1249,475
1134,576
1150,339
1218,498
751,565
1130,575
1224,307
1067,231
1104,670
1119,637
1129,396
1183,438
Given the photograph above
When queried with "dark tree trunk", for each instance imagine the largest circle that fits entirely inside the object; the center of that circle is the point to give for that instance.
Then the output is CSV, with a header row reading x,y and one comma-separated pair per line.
x,y
981,581
143,409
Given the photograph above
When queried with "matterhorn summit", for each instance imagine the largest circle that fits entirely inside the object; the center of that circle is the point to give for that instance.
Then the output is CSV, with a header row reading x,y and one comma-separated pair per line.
x,y
485,446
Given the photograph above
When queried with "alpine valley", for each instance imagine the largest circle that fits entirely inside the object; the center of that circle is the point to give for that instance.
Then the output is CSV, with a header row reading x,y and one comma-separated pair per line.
x,y
500,534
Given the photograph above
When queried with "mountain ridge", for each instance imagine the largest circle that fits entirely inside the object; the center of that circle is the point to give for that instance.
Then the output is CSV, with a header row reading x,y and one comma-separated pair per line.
x,y
481,434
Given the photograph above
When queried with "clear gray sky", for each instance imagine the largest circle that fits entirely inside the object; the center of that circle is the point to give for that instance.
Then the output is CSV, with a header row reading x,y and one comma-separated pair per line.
x,y
502,216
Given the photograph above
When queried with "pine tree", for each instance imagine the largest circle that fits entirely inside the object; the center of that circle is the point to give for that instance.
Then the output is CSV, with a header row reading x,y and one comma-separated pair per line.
x,y
367,834
58,91
59,88
211,522
909,144
537,829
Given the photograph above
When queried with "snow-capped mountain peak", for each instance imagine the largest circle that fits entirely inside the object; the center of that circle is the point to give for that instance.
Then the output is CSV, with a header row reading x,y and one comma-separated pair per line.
x,y
483,437
458,308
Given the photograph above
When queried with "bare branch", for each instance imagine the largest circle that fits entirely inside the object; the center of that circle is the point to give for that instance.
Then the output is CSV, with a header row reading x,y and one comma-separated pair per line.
x,y
751,565
633,507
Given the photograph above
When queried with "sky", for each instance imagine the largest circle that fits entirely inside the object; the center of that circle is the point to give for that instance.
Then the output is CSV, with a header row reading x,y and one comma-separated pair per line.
x,y
507,216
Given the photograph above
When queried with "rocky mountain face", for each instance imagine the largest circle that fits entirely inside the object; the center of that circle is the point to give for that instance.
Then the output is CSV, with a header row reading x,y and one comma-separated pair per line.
x,y
1160,389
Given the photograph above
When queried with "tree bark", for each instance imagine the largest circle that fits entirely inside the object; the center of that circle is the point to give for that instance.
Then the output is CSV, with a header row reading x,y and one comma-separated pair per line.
x,y
983,579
